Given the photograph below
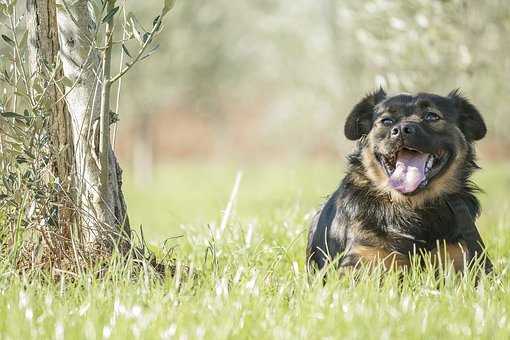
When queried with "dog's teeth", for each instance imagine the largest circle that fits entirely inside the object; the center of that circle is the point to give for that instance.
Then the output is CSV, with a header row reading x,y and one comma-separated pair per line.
x,y
430,162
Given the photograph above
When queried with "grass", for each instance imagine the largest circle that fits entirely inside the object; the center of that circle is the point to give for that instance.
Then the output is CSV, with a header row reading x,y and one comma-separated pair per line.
x,y
250,280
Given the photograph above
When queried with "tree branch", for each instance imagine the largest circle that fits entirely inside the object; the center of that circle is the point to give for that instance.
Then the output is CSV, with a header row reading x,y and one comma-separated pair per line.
x,y
149,39
104,117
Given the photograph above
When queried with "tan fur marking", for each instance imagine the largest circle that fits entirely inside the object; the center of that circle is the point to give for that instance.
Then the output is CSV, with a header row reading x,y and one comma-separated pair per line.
x,y
373,170
375,255
450,253
446,183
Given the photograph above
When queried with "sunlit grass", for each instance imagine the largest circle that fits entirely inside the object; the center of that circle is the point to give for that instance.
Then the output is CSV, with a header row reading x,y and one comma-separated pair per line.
x,y
250,279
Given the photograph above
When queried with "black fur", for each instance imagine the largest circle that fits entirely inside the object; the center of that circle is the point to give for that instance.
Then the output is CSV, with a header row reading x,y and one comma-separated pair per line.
x,y
470,121
359,121
358,214
404,228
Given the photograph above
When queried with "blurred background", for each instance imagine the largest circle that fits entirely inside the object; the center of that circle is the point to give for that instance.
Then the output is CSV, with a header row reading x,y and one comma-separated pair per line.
x,y
271,79
266,84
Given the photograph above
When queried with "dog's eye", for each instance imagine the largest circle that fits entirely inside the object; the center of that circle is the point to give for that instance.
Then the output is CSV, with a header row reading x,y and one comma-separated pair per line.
x,y
431,117
387,121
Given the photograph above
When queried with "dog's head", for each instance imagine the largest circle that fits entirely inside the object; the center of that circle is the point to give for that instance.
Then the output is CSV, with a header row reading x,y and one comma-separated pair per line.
x,y
415,147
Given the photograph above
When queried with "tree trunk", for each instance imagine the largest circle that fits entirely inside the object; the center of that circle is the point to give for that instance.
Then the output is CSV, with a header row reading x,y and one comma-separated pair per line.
x,y
88,171
43,47
104,220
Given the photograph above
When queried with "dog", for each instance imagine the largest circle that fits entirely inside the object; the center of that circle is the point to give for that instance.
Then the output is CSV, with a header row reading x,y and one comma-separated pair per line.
x,y
407,190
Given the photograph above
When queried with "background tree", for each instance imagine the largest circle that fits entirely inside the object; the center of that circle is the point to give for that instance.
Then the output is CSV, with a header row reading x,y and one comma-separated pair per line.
x,y
275,66
43,50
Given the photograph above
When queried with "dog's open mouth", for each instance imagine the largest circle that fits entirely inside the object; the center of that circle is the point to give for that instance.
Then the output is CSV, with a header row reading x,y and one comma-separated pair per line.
x,y
409,170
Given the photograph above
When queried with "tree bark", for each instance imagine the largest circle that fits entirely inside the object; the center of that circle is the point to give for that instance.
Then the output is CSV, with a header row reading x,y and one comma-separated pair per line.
x,y
89,187
43,47
104,220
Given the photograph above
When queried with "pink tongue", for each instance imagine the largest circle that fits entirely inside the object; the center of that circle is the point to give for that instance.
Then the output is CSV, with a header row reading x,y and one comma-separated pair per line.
x,y
409,171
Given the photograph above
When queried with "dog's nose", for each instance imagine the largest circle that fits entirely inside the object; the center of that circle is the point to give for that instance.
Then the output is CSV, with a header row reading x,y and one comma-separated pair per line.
x,y
408,129
404,129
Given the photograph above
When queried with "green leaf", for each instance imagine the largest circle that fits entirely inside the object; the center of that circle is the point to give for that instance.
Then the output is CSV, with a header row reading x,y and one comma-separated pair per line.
x,y
135,32
153,50
108,17
169,4
17,117
150,52
21,94
157,23
67,82
8,40
146,36
23,40
11,115
125,49
60,7
92,11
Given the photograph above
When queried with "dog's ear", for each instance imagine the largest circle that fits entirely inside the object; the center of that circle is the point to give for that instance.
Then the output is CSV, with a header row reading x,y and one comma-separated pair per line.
x,y
470,120
359,121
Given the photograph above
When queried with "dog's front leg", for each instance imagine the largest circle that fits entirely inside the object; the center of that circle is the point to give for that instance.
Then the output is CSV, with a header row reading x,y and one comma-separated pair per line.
x,y
450,253
470,235
373,255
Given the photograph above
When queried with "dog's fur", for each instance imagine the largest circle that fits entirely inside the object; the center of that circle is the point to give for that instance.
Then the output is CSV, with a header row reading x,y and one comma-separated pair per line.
x,y
367,221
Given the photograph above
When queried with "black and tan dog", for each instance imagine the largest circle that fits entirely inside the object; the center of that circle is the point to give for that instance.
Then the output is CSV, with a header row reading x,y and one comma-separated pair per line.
x,y
407,189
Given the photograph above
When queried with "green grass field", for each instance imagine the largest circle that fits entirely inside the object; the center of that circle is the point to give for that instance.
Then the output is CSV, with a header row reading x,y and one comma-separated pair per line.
x,y
250,278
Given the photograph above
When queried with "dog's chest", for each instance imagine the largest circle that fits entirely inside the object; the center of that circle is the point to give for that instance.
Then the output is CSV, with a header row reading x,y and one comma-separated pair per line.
x,y
420,228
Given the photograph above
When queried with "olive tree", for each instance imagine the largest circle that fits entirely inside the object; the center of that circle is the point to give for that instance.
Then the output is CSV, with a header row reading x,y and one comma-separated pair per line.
x,y
61,79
